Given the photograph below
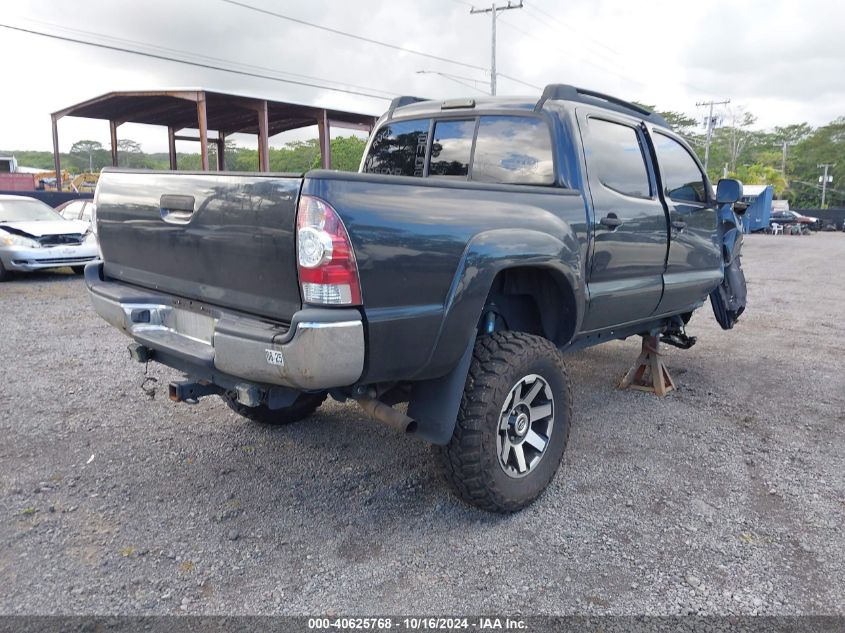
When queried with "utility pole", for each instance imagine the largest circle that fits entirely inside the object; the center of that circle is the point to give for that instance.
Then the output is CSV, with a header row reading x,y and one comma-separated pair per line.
x,y
824,178
493,11
710,126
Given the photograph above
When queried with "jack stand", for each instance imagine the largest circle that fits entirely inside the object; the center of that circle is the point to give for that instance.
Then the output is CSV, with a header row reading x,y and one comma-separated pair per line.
x,y
649,373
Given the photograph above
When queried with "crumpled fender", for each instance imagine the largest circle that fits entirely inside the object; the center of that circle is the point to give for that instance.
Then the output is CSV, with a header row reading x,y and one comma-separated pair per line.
x,y
729,298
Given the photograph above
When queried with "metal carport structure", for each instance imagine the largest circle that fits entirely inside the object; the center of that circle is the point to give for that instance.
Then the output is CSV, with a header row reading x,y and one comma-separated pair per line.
x,y
205,110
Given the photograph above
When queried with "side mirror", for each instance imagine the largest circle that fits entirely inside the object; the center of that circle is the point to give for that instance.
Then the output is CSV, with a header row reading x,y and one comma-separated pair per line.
x,y
728,191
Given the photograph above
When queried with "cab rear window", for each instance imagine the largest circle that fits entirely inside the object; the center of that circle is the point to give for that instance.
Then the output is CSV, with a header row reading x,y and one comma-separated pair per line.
x,y
452,148
503,149
398,149
513,150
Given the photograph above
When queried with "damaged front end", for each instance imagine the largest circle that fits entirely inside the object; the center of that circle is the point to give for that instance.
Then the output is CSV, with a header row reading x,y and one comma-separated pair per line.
x,y
729,298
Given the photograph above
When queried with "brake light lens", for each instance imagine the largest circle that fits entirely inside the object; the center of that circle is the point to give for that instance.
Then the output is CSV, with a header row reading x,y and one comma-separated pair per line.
x,y
328,273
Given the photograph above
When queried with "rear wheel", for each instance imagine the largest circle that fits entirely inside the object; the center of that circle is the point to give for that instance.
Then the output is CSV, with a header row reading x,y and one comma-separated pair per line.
x,y
513,422
304,406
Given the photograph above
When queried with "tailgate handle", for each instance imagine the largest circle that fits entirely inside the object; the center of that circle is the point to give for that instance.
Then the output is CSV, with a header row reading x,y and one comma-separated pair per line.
x,y
176,209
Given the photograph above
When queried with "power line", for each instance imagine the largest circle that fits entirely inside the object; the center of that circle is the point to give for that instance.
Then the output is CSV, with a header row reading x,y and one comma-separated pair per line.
x,y
534,7
519,81
350,35
818,186
156,47
586,61
619,55
189,63
456,78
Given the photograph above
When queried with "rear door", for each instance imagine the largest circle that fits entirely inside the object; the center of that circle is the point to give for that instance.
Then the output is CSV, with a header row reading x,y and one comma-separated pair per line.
x,y
223,239
694,261
629,222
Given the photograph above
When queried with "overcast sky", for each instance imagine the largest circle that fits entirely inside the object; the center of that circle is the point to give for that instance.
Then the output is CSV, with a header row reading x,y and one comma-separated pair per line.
x,y
781,60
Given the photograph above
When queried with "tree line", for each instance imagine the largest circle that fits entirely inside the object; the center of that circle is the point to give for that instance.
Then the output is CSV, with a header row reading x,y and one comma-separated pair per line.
x,y
786,157
296,156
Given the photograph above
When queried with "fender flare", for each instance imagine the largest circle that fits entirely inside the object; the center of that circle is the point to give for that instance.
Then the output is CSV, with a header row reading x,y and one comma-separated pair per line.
x,y
434,402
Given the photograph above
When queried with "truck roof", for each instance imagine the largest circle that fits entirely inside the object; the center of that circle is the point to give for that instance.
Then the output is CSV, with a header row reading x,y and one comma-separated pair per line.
x,y
407,105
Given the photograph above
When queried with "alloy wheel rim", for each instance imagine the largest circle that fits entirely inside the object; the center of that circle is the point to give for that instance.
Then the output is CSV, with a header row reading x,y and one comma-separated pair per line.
x,y
525,425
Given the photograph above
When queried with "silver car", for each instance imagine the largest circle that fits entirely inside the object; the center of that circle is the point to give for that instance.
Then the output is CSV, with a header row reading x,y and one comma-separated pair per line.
x,y
34,236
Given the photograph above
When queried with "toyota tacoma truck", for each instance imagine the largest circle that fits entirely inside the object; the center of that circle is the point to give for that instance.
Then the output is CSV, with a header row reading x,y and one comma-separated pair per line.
x,y
480,241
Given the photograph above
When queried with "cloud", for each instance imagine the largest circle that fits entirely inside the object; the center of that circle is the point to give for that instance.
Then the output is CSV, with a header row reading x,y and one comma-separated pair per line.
x,y
780,59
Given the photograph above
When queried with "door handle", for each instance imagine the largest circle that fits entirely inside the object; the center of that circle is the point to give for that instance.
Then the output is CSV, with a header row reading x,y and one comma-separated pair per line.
x,y
679,225
611,221
176,209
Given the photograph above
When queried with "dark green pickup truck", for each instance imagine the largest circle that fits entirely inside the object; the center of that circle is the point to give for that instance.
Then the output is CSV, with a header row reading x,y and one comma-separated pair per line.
x,y
480,241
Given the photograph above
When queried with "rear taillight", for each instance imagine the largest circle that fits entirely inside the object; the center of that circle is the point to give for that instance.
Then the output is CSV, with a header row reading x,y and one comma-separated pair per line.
x,y
328,273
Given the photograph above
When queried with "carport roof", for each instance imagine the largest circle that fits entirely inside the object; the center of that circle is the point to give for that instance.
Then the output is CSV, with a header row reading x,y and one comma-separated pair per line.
x,y
226,112
204,110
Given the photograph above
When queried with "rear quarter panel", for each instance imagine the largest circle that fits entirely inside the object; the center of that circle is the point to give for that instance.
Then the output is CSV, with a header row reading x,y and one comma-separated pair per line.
x,y
428,250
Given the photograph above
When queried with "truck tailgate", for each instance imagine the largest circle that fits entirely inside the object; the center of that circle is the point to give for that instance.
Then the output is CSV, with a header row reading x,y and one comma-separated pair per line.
x,y
224,239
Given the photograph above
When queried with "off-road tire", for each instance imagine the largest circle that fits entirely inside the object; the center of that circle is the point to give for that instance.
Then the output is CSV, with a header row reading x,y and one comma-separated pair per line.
x,y
470,461
304,406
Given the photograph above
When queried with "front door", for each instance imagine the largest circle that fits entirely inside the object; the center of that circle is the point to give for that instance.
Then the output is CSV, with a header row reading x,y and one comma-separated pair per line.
x,y
629,223
694,263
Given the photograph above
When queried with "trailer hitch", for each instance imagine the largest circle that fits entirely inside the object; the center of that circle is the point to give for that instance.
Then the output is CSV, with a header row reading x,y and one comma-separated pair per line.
x,y
190,392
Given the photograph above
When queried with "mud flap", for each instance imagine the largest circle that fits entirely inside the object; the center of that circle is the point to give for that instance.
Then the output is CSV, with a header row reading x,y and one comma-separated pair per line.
x,y
434,403
729,298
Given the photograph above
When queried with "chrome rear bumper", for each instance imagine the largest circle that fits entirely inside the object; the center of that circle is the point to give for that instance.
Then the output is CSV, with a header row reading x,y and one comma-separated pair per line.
x,y
321,349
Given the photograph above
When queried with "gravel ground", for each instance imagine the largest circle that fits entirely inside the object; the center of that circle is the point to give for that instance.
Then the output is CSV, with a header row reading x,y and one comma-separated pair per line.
x,y
727,497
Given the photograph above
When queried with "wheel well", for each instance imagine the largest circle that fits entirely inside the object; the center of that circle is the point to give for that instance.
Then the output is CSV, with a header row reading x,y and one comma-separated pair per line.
x,y
533,300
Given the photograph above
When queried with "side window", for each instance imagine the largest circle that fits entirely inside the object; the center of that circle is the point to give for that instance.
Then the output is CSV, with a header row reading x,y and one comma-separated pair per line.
x,y
71,211
87,212
398,148
451,148
614,152
682,179
513,150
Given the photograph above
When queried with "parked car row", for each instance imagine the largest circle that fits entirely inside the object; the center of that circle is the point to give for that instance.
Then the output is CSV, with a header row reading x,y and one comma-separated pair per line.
x,y
788,222
33,236
793,222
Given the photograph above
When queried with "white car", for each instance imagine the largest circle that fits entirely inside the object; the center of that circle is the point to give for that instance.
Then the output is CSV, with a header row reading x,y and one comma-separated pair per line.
x,y
34,236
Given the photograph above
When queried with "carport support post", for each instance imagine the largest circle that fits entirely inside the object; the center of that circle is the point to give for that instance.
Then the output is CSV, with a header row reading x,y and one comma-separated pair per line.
x,y
113,130
263,139
57,160
324,129
221,147
203,128
171,146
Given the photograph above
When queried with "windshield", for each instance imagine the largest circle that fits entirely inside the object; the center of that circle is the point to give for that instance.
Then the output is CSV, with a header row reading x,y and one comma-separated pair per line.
x,y
26,211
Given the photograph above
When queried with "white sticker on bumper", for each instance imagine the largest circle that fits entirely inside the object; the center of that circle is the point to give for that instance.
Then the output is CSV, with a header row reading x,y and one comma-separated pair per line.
x,y
274,357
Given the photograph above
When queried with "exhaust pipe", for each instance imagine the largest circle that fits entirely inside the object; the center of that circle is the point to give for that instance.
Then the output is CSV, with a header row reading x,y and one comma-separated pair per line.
x,y
387,415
